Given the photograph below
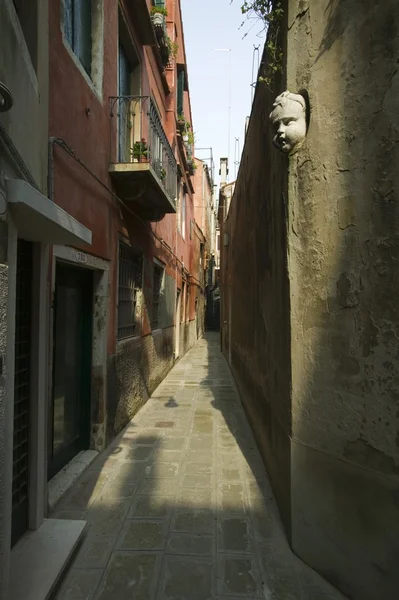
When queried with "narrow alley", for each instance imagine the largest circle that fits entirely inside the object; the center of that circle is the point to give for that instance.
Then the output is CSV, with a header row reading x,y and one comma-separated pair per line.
x,y
180,506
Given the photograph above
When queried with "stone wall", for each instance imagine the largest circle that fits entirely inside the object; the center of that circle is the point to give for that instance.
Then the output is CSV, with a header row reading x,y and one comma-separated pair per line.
x,y
343,256
310,287
255,296
134,373
138,368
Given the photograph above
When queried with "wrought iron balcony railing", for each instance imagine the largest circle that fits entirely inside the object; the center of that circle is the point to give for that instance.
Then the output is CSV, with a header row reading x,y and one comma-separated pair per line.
x,y
141,139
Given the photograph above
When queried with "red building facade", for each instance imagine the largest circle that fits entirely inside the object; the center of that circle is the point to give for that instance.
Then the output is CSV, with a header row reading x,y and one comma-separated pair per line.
x,y
121,162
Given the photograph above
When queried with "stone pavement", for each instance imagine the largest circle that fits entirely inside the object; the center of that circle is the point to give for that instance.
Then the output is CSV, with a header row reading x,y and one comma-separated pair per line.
x,y
180,507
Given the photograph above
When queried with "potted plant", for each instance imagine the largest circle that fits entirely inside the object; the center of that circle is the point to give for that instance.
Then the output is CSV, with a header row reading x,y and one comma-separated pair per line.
x,y
191,166
140,151
182,124
162,174
173,47
158,15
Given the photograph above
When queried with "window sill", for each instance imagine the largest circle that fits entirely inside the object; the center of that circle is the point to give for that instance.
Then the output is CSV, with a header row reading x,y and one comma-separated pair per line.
x,y
134,340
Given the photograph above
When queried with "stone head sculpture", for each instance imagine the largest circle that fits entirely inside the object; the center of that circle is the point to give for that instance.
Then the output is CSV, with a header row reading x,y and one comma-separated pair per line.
x,y
289,120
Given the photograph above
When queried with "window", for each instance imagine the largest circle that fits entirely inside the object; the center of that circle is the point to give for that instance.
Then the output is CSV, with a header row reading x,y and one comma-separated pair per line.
x,y
129,288
183,214
180,92
156,294
77,29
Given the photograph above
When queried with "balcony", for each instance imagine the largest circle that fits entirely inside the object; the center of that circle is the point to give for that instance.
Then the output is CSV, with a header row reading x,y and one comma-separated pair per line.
x,y
143,165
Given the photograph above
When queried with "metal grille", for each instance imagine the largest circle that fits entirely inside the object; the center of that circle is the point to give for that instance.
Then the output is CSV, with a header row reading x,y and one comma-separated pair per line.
x,y
142,139
22,373
156,295
129,284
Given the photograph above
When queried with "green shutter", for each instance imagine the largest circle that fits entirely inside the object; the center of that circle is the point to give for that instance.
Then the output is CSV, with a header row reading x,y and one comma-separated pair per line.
x,y
160,3
82,32
68,21
180,93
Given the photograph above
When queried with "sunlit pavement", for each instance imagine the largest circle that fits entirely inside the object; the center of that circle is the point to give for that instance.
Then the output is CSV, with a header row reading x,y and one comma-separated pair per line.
x,y
180,506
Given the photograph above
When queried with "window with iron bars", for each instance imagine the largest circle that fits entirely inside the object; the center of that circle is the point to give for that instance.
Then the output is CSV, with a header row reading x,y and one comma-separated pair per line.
x,y
156,294
129,287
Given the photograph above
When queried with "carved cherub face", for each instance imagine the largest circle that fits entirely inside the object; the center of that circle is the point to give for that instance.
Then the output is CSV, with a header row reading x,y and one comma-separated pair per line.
x,y
289,120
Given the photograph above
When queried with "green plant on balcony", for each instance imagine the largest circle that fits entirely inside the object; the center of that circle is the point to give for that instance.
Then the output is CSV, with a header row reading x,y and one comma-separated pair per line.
x,y
158,16
140,151
162,174
191,166
173,47
159,10
190,137
182,124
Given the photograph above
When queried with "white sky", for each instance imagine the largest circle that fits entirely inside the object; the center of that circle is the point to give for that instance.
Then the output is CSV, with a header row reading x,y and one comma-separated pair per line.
x,y
210,24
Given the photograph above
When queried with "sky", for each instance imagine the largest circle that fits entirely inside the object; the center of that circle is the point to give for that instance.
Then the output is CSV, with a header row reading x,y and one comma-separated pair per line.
x,y
219,79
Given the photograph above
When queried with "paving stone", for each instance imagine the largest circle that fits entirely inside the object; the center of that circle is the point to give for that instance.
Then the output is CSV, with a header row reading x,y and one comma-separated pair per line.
x,y
150,507
232,497
142,535
163,487
172,456
228,475
107,516
194,520
95,550
130,575
237,575
138,453
187,579
203,456
199,468
202,426
163,469
199,480
174,443
79,584
189,497
198,544
201,442
234,535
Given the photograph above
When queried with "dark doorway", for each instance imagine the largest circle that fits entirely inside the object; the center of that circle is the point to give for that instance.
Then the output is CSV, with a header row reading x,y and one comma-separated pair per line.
x,y
22,390
70,418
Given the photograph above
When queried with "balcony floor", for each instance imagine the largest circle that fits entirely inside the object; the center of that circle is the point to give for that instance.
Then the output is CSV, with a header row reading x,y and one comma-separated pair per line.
x,y
137,184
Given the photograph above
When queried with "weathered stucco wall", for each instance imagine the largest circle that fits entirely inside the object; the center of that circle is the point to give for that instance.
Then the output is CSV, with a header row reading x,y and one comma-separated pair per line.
x,y
315,352
344,278
256,298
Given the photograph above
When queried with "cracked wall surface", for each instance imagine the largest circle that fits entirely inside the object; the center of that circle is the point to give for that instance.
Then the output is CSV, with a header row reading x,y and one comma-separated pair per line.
x,y
344,279
310,290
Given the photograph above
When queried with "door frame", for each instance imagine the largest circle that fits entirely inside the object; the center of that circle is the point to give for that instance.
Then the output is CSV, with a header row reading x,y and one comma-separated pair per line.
x,y
68,453
99,324
177,323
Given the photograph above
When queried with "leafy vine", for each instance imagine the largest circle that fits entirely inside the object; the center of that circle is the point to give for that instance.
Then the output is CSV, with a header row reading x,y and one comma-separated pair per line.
x,y
270,12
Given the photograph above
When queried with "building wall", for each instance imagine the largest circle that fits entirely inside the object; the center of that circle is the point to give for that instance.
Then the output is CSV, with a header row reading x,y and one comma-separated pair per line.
x,y
255,297
80,114
23,154
343,251
314,352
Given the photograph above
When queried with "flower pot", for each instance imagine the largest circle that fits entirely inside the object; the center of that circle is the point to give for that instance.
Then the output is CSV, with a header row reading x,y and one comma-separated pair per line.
x,y
158,20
